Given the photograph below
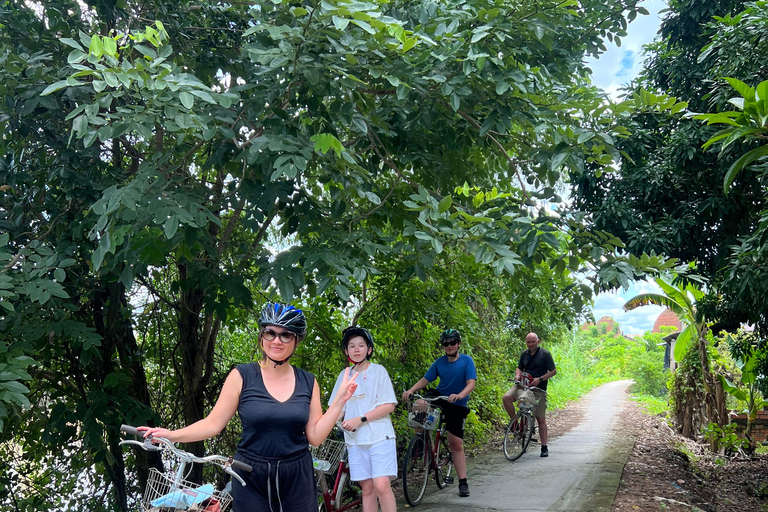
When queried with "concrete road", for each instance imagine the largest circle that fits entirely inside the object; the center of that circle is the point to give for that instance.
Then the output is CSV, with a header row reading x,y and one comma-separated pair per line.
x,y
581,474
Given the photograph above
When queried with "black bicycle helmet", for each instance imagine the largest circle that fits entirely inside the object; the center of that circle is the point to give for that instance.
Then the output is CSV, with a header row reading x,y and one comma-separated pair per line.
x,y
450,334
286,316
350,332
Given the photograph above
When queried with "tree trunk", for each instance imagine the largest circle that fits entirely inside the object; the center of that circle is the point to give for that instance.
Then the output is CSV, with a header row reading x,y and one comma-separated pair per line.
x,y
197,344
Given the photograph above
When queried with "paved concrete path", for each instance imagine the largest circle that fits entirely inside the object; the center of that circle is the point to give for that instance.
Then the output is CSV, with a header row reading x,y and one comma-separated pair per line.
x,y
581,474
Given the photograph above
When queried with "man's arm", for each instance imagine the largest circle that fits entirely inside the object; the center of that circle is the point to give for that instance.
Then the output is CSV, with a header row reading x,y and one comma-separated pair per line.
x,y
464,392
546,376
416,387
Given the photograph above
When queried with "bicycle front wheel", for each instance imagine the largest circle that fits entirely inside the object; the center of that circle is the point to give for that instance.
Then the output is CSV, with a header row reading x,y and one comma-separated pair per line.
x,y
416,469
517,436
347,495
443,463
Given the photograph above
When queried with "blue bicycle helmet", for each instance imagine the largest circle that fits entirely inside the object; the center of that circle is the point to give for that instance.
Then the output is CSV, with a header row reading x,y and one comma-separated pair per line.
x,y
286,316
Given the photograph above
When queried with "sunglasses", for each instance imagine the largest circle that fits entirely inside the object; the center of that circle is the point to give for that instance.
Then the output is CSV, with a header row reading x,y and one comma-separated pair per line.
x,y
285,336
450,343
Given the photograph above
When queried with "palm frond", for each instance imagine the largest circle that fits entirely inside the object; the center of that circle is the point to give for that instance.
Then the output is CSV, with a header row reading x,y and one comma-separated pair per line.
x,y
656,299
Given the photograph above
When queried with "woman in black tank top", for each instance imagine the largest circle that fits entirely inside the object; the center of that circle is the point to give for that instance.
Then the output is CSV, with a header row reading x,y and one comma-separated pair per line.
x,y
279,407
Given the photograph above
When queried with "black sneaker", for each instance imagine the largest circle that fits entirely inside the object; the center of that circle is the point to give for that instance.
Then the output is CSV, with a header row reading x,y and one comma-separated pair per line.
x,y
544,451
463,489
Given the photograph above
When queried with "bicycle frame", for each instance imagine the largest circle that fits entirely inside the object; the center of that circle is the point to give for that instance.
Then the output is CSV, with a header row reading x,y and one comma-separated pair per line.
x,y
431,445
331,496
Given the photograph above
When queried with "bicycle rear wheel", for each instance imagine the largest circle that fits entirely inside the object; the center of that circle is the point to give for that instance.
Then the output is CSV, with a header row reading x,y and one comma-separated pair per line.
x,y
517,436
347,495
443,463
416,468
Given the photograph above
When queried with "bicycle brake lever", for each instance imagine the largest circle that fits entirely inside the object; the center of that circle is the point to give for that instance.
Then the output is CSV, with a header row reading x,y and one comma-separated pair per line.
x,y
229,470
146,445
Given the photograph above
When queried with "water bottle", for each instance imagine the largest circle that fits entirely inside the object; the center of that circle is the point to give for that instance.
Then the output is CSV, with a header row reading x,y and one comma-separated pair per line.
x,y
430,421
321,465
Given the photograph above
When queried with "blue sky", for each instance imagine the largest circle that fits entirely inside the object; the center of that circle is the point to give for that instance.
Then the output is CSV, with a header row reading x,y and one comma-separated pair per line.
x,y
617,67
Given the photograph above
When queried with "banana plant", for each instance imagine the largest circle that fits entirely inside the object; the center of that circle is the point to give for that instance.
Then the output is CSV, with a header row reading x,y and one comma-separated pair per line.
x,y
682,301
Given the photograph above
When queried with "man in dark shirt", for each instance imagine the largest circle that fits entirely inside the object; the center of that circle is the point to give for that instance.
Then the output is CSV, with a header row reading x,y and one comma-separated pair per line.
x,y
538,363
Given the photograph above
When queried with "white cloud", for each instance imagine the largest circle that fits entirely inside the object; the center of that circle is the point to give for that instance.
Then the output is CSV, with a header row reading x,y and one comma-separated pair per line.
x,y
619,65
615,68
633,322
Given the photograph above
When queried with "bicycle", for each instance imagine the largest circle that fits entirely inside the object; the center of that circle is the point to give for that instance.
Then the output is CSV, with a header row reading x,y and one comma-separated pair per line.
x,y
330,460
519,431
424,455
170,491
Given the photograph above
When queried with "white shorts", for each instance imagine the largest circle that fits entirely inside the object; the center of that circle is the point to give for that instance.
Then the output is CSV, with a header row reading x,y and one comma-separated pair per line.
x,y
373,461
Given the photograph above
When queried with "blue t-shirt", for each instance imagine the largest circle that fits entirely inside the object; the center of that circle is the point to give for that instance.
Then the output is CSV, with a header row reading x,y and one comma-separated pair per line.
x,y
453,375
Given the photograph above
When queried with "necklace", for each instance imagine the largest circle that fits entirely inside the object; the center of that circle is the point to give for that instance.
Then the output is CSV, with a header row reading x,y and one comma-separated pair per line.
x,y
365,372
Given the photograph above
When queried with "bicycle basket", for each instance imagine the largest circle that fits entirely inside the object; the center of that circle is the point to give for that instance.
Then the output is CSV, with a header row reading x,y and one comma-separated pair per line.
x,y
164,494
422,414
326,457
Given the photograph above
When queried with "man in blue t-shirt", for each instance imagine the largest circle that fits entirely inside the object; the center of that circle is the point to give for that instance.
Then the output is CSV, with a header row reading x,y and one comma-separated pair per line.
x,y
458,376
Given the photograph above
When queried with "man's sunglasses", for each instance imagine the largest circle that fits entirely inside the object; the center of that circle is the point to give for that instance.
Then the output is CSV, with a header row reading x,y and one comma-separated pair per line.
x,y
285,336
450,343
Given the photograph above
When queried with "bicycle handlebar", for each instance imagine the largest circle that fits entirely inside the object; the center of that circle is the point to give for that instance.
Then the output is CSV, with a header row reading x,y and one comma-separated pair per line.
x,y
531,387
429,398
151,444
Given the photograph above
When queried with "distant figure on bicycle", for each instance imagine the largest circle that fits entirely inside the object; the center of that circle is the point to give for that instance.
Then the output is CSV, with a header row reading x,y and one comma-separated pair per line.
x,y
458,376
281,414
368,430
537,362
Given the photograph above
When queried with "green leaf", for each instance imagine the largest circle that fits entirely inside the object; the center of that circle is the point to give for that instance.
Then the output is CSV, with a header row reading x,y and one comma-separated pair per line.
x,y
342,292
97,47
365,26
746,91
340,23
54,87
741,163
71,43
681,343
444,204
170,226
187,99
110,46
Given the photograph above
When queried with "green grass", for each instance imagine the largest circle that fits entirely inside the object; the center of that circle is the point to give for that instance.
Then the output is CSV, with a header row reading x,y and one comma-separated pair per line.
x,y
653,405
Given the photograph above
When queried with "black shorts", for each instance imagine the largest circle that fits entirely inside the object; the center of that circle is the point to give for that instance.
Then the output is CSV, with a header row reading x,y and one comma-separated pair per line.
x,y
453,415
286,484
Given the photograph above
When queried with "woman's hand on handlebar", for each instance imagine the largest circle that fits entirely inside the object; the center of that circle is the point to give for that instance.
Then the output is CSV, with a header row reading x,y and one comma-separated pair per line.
x,y
407,395
156,432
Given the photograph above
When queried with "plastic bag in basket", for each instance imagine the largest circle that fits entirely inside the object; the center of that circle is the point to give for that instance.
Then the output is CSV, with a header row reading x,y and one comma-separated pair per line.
x,y
184,498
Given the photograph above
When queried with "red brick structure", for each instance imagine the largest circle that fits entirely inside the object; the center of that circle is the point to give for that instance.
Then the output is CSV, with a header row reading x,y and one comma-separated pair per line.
x,y
759,426
668,318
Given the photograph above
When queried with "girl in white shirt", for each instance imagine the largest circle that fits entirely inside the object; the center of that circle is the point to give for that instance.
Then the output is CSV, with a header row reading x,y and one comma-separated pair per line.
x,y
368,430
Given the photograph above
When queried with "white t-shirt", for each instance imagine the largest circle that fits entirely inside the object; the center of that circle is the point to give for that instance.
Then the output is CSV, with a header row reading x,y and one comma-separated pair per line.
x,y
374,388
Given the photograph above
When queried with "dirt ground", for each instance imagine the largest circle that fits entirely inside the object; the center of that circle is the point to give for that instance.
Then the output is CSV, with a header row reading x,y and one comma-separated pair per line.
x,y
666,472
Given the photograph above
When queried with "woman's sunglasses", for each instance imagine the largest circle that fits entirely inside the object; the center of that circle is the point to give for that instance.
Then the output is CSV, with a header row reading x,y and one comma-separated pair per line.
x,y
285,336
450,343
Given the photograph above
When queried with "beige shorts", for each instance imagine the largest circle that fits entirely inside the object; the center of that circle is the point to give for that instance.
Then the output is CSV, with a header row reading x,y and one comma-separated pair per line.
x,y
540,410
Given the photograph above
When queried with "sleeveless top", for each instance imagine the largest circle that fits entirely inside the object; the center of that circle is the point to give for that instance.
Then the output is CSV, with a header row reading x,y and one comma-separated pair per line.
x,y
272,428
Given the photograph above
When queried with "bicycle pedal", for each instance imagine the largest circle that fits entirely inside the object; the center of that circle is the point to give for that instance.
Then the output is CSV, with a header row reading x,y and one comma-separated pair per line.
x,y
448,480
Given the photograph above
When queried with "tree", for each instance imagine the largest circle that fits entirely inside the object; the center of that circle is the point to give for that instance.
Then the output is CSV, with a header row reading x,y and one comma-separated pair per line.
x,y
682,299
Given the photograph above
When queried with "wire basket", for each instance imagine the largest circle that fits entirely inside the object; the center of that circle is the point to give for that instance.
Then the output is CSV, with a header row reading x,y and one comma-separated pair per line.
x,y
422,414
326,457
164,494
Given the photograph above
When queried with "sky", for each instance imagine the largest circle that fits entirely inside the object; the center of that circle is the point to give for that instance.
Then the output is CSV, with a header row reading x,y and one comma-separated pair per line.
x,y
617,67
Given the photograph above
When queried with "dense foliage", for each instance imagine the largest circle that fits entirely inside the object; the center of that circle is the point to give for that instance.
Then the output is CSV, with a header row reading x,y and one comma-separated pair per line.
x,y
392,163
